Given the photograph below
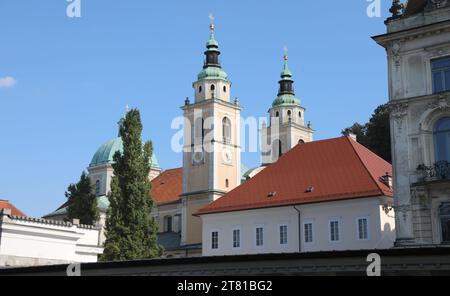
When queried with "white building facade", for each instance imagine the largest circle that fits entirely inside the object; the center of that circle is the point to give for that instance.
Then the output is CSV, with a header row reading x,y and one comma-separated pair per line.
x,y
344,225
418,49
32,242
320,196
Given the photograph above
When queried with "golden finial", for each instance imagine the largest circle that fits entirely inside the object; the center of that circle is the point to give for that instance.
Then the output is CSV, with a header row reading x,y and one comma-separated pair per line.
x,y
285,53
211,19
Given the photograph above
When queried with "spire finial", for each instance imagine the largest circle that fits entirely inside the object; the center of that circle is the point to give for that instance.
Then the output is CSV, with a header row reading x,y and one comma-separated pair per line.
x,y
211,21
285,53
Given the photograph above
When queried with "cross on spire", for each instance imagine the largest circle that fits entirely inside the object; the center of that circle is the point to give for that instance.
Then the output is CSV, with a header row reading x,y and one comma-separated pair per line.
x,y
211,21
285,53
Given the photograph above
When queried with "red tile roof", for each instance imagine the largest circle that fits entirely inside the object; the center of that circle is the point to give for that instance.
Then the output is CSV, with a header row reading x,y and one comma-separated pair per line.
x,y
4,204
335,169
167,187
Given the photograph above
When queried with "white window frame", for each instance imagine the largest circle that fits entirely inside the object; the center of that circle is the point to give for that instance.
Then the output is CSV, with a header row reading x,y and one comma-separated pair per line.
x,y
339,232
256,236
287,234
218,239
240,237
304,232
368,228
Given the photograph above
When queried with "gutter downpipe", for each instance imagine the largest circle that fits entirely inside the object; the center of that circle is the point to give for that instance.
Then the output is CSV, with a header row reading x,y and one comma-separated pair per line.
x,y
299,230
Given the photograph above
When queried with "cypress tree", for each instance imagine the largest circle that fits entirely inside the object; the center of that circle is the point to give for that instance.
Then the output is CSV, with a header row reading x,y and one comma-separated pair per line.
x,y
82,202
130,228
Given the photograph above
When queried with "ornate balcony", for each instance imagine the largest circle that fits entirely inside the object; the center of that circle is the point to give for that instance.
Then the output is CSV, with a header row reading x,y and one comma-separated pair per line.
x,y
439,171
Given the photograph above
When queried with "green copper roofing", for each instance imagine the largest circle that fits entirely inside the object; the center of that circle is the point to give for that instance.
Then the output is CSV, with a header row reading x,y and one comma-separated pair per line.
x,y
212,68
212,73
105,153
286,74
244,170
102,204
286,96
212,42
286,100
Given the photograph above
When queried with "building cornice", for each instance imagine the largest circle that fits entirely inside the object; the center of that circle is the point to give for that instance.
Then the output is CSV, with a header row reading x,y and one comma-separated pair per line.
x,y
413,33
204,103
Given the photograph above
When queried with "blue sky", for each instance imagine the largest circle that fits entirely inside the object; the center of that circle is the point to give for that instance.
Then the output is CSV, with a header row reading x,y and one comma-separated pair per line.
x,y
74,76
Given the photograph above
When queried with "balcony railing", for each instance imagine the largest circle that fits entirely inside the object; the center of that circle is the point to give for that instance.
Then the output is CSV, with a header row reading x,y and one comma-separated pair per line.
x,y
439,171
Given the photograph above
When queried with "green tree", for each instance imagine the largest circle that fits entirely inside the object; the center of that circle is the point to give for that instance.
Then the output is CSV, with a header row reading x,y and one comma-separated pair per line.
x,y
376,134
360,132
130,228
379,133
82,203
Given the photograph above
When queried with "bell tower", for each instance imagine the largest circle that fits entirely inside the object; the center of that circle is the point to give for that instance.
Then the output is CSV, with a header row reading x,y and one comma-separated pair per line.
x,y
287,121
211,155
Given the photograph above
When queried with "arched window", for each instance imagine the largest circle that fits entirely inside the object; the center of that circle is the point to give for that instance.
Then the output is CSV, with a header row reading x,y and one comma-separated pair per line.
x,y
289,113
203,131
301,142
224,89
200,89
280,148
300,114
444,213
442,139
277,114
213,88
168,224
97,188
226,130
227,183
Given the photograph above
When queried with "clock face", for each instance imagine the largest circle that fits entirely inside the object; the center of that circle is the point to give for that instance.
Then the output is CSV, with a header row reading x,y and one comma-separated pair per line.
x,y
197,157
227,156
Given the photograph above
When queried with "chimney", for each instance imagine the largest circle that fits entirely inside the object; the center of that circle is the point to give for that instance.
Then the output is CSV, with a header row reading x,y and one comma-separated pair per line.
x,y
387,179
5,212
351,136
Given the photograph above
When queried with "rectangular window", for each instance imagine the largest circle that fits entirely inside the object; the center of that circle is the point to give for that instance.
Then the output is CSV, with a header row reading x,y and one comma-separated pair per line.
x,y
440,71
215,240
283,235
308,233
363,229
334,231
236,238
259,237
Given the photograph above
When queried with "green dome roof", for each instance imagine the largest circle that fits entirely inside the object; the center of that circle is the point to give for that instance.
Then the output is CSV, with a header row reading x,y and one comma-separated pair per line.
x,y
212,73
105,153
286,99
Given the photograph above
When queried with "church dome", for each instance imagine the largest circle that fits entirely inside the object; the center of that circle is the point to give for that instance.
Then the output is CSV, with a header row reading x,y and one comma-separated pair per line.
x,y
105,154
286,100
212,73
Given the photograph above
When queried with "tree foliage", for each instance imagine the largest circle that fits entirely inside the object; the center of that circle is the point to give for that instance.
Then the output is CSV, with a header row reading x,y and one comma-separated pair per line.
x,y
130,228
375,134
82,203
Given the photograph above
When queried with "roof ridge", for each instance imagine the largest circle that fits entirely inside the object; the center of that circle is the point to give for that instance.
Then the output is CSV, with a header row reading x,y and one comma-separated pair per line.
x,y
352,144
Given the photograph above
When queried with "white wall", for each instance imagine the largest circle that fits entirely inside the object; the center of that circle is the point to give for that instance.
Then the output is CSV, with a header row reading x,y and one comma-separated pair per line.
x,y
413,111
26,241
381,228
